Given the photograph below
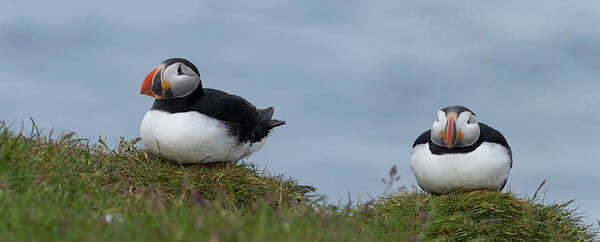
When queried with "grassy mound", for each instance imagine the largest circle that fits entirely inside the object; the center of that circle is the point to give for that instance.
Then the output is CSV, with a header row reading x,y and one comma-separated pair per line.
x,y
129,170
65,189
476,215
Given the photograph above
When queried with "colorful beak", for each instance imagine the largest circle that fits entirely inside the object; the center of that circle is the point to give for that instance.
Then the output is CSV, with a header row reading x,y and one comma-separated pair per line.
x,y
450,131
148,82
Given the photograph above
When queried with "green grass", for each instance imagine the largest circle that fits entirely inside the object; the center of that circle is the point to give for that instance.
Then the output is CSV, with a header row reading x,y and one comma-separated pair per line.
x,y
66,189
476,215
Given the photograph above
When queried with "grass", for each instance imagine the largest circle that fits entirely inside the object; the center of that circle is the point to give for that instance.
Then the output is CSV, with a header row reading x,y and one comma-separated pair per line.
x,y
475,215
63,188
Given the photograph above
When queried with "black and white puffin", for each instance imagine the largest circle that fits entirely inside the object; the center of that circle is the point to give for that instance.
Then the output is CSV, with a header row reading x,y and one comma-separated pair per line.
x,y
460,153
192,124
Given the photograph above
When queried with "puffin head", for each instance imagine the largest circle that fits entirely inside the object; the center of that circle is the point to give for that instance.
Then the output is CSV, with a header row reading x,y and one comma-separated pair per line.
x,y
175,77
456,126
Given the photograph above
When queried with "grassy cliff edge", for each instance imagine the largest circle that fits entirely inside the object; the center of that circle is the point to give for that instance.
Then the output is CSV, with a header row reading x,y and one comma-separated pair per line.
x,y
64,188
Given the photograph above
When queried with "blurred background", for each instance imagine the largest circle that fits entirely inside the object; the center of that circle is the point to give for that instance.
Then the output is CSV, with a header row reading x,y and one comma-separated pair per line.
x,y
357,81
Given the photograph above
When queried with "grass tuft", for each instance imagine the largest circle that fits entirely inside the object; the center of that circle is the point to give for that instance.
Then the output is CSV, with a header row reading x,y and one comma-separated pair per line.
x,y
476,215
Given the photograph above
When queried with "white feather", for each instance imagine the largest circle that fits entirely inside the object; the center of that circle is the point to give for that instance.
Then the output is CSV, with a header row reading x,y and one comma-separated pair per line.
x,y
192,137
486,167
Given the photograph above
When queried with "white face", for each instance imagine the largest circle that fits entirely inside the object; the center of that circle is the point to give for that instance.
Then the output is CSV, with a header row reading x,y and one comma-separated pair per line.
x,y
453,131
179,80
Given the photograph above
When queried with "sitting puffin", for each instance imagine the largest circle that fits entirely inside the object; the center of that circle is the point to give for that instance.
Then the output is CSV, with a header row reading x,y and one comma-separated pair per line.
x,y
192,124
460,153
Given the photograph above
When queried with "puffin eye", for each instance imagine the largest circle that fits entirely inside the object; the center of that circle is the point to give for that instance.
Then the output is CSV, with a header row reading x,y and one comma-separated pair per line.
x,y
471,120
179,71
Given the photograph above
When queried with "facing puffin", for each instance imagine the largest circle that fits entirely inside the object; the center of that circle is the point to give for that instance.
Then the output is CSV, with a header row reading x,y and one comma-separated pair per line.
x,y
192,124
460,153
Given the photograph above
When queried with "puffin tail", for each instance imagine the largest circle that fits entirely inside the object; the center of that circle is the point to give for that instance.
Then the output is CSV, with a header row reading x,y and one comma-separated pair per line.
x,y
274,123
265,123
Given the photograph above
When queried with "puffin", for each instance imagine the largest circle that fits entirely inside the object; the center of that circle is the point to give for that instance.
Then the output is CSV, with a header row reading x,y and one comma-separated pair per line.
x,y
460,153
191,124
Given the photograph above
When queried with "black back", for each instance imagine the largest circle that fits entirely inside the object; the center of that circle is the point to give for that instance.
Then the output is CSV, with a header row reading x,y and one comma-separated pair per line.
x,y
239,115
487,134
457,109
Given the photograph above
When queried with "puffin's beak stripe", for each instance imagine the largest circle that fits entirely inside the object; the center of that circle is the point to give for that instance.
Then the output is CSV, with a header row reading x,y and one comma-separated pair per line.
x,y
449,132
147,84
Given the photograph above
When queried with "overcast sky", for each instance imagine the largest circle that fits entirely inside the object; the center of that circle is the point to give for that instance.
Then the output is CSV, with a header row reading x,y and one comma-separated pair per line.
x,y
357,81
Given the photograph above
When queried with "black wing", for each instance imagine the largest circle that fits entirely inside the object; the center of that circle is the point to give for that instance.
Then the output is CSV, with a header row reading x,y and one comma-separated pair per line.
x,y
237,112
425,137
494,136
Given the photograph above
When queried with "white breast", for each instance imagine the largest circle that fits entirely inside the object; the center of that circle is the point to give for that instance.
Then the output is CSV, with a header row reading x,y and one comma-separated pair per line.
x,y
486,167
192,137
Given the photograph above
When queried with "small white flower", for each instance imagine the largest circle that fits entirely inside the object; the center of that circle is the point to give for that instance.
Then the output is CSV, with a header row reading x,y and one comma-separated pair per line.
x,y
108,218
117,216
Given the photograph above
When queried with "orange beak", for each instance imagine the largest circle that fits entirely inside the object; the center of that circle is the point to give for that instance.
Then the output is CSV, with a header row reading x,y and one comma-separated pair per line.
x,y
450,131
147,84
